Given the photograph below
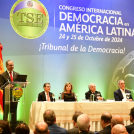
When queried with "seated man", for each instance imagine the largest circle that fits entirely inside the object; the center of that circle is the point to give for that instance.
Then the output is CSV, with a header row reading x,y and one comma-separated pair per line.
x,y
83,123
22,128
41,127
92,91
74,130
46,95
4,127
121,92
130,128
50,118
116,119
119,129
105,123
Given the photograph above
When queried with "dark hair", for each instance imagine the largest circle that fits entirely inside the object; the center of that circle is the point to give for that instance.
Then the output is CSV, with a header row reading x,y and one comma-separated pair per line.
x,y
45,84
4,127
49,117
22,128
75,115
132,112
106,118
8,61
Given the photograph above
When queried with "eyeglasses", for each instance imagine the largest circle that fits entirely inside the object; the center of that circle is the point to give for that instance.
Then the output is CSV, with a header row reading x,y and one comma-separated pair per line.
x,y
48,86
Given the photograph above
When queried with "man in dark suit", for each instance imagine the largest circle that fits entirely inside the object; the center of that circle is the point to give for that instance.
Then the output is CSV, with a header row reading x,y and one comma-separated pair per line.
x,y
41,128
130,128
120,94
92,93
5,77
105,123
50,118
8,76
83,124
74,130
46,95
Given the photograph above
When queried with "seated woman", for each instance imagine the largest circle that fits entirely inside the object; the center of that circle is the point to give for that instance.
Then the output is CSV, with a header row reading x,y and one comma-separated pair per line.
x,y
67,94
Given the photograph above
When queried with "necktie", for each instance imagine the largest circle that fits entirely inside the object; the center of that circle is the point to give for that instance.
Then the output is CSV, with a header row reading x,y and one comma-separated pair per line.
x,y
48,99
11,77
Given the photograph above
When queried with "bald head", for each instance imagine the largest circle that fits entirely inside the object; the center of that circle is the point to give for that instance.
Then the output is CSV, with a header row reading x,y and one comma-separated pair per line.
x,y
41,128
119,129
116,119
83,122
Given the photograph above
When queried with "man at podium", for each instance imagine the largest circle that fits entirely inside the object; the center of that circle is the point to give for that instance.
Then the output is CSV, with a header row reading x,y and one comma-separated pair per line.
x,y
5,78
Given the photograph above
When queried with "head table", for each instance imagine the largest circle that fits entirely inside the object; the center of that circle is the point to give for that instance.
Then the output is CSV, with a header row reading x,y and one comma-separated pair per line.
x,y
65,110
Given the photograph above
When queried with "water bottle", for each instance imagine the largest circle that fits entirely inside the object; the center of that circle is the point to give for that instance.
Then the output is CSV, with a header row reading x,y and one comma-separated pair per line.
x,y
92,97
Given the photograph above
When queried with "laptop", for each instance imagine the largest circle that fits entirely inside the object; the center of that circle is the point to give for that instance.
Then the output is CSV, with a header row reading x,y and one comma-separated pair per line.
x,y
21,78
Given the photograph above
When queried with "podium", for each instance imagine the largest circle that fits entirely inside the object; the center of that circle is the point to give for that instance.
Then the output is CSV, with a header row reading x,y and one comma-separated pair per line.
x,y
14,103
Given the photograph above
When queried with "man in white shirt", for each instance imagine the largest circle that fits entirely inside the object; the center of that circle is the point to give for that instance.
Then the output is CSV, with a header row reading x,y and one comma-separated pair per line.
x,y
120,94
46,95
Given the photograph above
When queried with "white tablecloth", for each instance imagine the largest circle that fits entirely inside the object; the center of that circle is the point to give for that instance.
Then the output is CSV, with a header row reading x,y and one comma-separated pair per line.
x,y
65,110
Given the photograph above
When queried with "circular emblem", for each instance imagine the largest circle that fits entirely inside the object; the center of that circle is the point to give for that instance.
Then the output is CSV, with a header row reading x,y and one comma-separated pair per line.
x,y
29,19
17,92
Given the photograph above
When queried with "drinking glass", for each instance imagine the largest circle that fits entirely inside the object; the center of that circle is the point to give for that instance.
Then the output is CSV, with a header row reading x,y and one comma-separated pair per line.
x,y
59,96
98,95
53,96
127,95
76,96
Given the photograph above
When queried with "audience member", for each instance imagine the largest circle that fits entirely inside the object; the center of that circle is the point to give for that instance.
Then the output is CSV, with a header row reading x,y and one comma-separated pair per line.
x,y
116,119
74,130
4,127
22,128
50,118
83,124
41,127
106,123
132,132
130,128
119,129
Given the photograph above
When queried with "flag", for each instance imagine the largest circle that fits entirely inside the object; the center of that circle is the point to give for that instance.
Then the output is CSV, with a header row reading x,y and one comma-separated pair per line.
x,y
1,71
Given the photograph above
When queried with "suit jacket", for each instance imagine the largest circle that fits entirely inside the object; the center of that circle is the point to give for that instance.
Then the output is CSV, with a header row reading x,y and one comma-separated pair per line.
x,y
85,132
74,130
106,130
118,95
55,129
132,132
87,95
42,96
130,128
4,77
